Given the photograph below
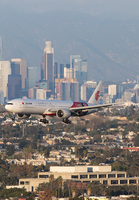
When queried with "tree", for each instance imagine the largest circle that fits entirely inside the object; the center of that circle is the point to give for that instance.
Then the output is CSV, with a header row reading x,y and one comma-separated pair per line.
x,y
74,191
10,150
59,181
136,141
46,194
47,152
89,188
14,192
51,179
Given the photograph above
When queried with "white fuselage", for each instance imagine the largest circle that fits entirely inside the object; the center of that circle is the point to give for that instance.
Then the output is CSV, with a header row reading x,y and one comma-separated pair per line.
x,y
39,107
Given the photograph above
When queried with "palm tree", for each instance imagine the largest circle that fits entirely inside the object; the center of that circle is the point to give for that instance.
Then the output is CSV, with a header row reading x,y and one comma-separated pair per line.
x,y
89,188
51,179
74,191
59,180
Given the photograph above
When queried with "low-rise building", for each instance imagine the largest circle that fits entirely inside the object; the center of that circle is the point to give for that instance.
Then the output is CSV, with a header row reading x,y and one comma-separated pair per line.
x,y
96,174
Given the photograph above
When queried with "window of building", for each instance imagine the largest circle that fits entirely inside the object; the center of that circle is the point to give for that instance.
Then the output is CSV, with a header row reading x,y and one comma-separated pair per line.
x,y
21,182
43,176
105,182
132,181
93,176
120,175
111,175
27,183
114,182
96,182
90,169
102,175
123,181
74,176
83,176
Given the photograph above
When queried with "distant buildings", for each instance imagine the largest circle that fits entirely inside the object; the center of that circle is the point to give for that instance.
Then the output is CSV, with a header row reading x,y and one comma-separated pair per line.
x,y
5,70
19,67
31,77
14,86
57,81
112,91
1,98
47,67
78,68
0,48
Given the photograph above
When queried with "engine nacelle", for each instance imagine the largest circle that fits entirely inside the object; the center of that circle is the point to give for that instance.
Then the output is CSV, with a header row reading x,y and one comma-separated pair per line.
x,y
63,113
24,116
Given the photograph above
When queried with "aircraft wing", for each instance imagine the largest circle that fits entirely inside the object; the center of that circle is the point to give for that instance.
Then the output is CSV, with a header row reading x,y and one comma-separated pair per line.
x,y
87,108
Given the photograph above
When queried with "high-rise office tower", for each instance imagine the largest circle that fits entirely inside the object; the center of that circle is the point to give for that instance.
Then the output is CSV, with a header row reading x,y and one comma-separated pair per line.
x,y
62,69
1,98
83,93
19,67
31,77
5,70
0,48
55,70
66,91
79,68
74,91
32,93
112,90
14,87
120,91
47,68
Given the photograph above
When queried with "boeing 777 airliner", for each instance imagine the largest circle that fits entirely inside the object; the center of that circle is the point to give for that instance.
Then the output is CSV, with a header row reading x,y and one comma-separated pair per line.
x,y
60,109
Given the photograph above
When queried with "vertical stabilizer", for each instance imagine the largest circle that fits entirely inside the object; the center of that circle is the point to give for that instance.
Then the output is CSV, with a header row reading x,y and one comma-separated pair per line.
x,y
95,96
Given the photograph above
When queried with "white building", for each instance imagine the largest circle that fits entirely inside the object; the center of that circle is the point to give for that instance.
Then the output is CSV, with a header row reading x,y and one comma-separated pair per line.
x,y
112,90
5,70
83,93
41,94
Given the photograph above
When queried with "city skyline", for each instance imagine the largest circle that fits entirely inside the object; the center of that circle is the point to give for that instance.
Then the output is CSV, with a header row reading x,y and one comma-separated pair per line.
x,y
106,34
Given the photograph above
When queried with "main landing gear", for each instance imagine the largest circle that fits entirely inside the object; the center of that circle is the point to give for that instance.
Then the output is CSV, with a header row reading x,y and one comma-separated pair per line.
x,y
44,120
66,121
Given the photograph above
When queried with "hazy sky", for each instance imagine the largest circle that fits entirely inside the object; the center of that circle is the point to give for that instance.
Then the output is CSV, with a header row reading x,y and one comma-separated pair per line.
x,y
93,7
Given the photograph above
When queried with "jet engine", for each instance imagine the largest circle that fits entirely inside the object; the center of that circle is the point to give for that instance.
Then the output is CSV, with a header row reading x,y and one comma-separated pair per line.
x,y
63,113
24,116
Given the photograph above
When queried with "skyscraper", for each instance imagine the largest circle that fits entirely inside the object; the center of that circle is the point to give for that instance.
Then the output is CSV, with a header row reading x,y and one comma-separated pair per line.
x,y
79,68
0,48
14,87
47,68
1,97
19,67
55,70
74,91
5,70
31,77
66,91
112,90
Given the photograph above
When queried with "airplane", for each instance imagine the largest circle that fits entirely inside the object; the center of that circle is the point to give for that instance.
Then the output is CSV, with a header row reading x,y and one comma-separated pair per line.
x,y
61,109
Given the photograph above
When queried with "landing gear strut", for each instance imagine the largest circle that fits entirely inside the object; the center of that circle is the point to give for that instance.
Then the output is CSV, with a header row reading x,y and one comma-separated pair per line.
x,y
66,121
13,116
44,120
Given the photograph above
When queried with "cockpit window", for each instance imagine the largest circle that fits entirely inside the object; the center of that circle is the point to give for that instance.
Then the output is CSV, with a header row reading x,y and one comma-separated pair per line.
x,y
9,103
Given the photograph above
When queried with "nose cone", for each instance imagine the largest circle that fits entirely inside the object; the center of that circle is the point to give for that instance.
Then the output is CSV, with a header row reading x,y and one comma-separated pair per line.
x,y
6,107
9,107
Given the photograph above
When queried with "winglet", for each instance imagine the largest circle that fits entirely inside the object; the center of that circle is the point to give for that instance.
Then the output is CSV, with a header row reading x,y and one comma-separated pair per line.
x,y
95,96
